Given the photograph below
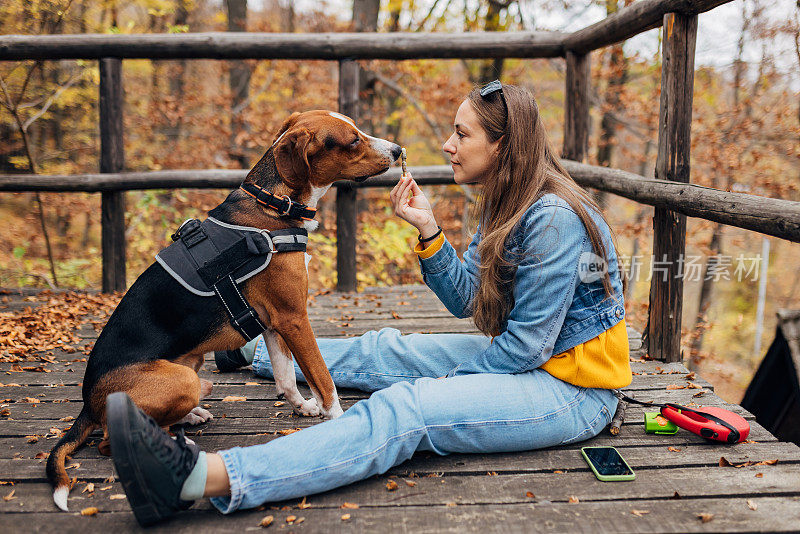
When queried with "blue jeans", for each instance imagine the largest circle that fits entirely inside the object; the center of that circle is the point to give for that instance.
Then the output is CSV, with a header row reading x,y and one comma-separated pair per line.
x,y
410,411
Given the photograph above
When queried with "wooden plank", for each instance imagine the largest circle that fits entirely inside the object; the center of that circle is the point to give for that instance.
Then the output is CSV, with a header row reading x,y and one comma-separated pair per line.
x,y
112,159
669,228
576,117
730,515
689,483
346,196
330,46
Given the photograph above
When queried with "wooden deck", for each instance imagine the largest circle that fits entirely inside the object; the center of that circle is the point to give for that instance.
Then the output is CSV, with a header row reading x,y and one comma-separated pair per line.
x,y
678,477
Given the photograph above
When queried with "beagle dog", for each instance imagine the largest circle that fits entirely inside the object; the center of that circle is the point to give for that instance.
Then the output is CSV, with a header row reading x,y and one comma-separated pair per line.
x,y
154,342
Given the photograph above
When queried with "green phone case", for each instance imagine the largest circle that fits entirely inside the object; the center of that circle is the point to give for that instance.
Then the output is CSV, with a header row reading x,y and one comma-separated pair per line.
x,y
608,478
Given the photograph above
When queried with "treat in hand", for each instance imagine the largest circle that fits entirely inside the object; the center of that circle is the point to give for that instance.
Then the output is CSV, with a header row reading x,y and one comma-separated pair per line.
x,y
403,161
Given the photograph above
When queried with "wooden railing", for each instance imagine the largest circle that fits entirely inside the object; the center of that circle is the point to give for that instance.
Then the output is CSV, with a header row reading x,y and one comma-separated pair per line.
x,y
671,194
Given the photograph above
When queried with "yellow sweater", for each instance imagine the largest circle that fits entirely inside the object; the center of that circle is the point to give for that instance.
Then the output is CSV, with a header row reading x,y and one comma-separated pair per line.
x,y
601,362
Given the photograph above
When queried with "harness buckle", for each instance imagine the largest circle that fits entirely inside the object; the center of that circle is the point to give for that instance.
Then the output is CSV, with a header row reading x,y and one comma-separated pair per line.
x,y
190,232
288,205
266,235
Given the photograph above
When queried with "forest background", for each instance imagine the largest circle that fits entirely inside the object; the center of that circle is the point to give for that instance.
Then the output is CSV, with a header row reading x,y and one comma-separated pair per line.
x,y
205,114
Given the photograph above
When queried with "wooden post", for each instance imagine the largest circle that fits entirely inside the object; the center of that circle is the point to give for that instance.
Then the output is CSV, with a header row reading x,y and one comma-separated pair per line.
x,y
576,118
346,196
674,129
112,159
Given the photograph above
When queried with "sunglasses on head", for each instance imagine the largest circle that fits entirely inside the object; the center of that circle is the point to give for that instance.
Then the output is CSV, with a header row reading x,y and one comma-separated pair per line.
x,y
494,87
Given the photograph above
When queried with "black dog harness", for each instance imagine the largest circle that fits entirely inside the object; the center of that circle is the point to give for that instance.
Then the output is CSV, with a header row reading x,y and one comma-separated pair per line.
x,y
213,258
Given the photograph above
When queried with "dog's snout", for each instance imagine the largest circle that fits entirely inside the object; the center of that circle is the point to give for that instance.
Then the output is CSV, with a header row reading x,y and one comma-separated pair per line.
x,y
396,150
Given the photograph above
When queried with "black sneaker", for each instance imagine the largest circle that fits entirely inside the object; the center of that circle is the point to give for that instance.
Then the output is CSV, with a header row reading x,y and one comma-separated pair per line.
x,y
151,465
230,360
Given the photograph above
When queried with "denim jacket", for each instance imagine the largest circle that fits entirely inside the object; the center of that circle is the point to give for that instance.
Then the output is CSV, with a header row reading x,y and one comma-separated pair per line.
x,y
559,300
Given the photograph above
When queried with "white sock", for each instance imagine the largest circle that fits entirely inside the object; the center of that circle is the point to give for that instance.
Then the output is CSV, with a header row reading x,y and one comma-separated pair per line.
x,y
249,350
195,485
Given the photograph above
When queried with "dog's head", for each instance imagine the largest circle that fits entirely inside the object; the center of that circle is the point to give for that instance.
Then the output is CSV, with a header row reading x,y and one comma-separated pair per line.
x,y
319,147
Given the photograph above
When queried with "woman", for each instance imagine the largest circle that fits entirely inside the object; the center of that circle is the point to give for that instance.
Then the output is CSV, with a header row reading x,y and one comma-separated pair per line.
x,y
558,340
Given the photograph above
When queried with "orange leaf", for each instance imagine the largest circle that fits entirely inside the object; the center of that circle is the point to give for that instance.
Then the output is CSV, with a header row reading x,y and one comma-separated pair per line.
x,y
345,517
267,521
573,499
705,518
391,485
232,398
89,511
350,506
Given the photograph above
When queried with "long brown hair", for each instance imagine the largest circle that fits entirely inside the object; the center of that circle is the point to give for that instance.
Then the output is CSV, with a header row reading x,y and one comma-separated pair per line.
x,y
525,169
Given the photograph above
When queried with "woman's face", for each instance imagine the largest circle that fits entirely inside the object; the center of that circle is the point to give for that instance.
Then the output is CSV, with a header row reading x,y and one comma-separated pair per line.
x,y
471,153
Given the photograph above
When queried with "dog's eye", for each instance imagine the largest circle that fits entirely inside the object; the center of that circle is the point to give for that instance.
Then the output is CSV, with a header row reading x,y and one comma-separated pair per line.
x,y
330,143
354,143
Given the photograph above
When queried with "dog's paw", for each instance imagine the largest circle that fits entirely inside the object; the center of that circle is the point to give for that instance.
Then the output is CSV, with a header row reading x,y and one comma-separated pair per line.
x,y
307,408
197,416
333,413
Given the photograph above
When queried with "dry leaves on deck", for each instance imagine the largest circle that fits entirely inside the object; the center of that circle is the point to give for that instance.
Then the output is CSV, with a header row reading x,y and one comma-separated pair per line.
x,y
52,325
89,511
723,462
705,518
234,398
267,521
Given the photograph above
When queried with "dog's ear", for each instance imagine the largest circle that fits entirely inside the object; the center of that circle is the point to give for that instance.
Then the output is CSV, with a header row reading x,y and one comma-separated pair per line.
x,y
286,125
291,156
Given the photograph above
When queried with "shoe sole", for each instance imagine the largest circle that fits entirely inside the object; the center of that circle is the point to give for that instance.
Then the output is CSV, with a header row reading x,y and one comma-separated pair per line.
x,y
143,508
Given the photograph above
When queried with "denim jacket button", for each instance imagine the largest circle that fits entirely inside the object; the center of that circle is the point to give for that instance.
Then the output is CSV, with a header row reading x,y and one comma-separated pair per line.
x,y
618,312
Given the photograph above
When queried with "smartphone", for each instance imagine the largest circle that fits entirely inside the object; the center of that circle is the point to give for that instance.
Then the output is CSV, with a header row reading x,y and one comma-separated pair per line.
x,y
607,464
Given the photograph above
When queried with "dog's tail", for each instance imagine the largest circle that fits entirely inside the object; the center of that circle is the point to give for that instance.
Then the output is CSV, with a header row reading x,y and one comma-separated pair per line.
x,y
72,439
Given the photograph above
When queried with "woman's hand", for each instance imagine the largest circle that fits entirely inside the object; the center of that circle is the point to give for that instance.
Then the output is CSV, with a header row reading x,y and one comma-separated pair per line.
x,y
411,205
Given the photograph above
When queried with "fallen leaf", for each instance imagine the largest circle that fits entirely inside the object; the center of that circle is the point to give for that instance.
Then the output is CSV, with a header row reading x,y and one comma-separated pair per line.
x,y
73,466
491,474
299,520
303,504
410,483
690,385
89,511
530,495
767,462
9,496
391,485
675,386
759,475
640,513
558,472
30,400
396,315
345,517
67,418
705,518
350,506
279,404
267,521
291,519
699,394
723,462
116,496
673,449
252,384
752,504
32,439
105,488
573,499
287,431
690,376
41,455
450,504
88,488
233,398
676,495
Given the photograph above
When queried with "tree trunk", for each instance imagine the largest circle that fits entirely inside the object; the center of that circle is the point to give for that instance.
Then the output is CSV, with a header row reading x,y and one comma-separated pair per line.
x,y
239,82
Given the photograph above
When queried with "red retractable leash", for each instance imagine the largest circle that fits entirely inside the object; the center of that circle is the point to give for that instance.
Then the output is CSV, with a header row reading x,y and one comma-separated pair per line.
x,y
711,422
